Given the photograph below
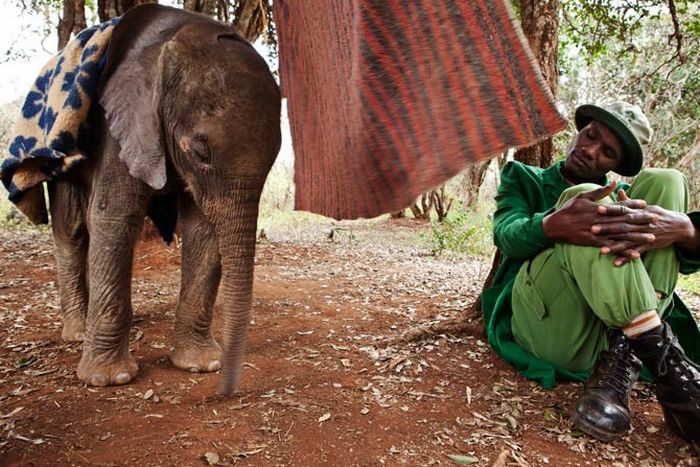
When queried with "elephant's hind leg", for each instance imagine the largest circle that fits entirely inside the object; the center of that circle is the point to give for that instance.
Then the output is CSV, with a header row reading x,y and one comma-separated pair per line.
x,y
115,218
195,348
68,203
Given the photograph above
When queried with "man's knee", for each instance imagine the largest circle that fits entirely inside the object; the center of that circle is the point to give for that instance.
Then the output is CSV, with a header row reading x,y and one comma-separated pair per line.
x,y
667,188
572,191
671,177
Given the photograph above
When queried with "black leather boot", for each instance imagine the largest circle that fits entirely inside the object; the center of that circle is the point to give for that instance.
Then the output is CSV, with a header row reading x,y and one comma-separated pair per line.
x,y
677,379
603,410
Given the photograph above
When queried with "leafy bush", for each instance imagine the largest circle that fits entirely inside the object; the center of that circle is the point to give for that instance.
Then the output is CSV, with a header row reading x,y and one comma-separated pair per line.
x,y
690,283
462,231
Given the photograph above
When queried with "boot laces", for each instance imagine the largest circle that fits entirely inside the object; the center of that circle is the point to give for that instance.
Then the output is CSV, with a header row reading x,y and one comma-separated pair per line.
x,y
672,356
619,362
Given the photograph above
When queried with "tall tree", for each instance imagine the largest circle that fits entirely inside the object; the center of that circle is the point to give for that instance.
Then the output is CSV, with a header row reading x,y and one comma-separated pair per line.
x,y
108,9
71,21
208,7
252,18
540,23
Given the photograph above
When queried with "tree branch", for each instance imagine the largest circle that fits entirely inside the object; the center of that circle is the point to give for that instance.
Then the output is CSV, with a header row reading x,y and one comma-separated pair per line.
x,y
677,34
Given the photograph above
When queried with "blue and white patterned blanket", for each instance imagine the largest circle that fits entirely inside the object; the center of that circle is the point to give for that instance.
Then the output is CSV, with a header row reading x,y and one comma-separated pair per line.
x,y
45,142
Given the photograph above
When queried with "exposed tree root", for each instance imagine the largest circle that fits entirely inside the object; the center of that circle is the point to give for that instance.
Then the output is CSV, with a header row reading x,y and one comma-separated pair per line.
x,y
470,325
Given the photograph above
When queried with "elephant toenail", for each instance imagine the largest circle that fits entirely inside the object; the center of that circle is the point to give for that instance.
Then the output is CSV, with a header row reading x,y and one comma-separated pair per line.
x,y
194,369
122,378
98,380
214,366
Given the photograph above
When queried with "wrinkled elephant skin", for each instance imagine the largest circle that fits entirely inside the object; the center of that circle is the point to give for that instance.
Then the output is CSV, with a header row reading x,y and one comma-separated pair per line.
x,y
188,122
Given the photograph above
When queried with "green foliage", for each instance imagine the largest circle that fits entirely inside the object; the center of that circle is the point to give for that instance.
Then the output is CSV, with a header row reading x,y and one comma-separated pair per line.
x,y
593,25
5,206
462,231
690,283
10,217
622,50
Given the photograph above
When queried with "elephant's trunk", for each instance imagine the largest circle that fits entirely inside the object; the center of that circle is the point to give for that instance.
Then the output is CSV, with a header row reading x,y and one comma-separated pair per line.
x,y
234,213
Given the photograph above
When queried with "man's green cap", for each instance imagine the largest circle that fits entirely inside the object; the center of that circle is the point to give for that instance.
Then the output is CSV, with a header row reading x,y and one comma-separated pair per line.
x,y
629,124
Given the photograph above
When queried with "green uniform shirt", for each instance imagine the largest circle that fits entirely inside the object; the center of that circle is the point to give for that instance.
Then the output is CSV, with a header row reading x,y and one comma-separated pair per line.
x,y
525,196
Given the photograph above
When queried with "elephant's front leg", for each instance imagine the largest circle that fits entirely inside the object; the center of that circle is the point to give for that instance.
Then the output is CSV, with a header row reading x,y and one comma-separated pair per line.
x,y
195,348
116,214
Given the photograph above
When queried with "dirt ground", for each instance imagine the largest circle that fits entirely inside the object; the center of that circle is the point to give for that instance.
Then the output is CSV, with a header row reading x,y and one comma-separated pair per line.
x,y
328,380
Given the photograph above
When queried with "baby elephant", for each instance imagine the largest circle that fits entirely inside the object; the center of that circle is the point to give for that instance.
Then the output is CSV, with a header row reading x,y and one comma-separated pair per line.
x,y
186,126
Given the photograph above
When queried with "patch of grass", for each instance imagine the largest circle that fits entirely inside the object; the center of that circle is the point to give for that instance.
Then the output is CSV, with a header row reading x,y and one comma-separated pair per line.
x,y
10,217
5,206
7,212
462,231
690,283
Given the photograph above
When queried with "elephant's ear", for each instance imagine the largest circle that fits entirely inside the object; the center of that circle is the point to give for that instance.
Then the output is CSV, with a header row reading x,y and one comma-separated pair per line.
x,y
130,83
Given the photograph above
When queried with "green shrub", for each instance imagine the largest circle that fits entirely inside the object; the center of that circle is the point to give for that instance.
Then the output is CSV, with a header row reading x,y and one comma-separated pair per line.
x,y
690,283
462,231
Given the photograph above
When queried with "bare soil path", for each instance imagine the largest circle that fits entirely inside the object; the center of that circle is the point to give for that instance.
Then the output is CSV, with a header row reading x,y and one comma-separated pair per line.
x,y
327,380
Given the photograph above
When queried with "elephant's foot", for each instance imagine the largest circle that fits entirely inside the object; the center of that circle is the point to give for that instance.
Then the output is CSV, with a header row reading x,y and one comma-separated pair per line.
x,y
197,357
73,329
102,370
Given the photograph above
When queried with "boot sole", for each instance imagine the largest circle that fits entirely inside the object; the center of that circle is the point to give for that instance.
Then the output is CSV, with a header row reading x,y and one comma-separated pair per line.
x,y
593,430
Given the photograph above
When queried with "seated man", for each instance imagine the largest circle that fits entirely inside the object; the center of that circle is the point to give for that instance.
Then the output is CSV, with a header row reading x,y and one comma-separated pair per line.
x,y
589,268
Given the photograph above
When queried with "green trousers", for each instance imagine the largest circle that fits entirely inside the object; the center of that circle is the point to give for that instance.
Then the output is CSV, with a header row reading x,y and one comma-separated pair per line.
x,y
568,296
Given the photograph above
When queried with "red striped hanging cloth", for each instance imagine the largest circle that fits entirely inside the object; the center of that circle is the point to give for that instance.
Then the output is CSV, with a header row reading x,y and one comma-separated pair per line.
x,y
390,98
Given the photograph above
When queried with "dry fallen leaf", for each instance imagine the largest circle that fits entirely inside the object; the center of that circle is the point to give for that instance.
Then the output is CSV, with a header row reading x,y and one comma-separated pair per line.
x,y
30,440
12,413
212,458
462,460
324,417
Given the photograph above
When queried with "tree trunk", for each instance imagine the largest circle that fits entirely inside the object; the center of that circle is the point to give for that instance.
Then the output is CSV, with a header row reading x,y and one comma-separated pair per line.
x,y
72,21
250,18
441,202
540,23
108,9
474,177
208,7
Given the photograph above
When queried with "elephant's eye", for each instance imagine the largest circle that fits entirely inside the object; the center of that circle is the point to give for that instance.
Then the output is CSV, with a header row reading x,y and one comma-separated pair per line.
x,y
199,149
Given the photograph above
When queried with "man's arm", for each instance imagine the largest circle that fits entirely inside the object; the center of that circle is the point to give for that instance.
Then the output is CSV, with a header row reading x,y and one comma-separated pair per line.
x,y
520,232
692,247
517,224
690,258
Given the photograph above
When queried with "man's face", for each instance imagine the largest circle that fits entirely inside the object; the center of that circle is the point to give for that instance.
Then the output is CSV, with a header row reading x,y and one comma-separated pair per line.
x,y
594,152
